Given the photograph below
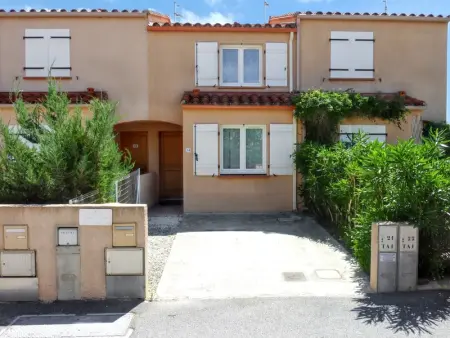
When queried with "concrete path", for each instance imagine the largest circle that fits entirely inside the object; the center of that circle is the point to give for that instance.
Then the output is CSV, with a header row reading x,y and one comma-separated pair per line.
x,y
244,256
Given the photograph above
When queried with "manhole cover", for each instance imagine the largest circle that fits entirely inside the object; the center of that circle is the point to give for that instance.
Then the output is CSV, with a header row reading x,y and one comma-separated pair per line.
x,y
115,325
294,276
328,274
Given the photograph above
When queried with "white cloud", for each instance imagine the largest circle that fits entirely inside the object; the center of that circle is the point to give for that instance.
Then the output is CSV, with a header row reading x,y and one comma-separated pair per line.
x,y
213,17
213,3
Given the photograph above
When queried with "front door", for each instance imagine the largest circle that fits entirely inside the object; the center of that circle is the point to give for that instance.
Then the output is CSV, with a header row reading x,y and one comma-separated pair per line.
x,y
171,165
136,143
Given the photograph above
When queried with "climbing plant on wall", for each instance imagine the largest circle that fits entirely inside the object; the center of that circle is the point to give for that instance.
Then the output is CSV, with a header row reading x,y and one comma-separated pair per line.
x,y
322,111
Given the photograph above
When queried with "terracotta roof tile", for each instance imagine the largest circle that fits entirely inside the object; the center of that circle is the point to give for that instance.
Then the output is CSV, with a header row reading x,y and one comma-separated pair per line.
x,y
268,98
226,25
82,10
319,13
37,97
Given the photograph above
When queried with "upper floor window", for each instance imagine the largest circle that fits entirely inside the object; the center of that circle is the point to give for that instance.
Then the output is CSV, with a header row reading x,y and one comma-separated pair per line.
x,y
241,65
352,55
47,52
373,132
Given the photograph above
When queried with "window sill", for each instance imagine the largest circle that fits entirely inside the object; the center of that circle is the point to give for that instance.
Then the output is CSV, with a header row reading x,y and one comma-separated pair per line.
x,y
242,87
243,175
46,77
332,79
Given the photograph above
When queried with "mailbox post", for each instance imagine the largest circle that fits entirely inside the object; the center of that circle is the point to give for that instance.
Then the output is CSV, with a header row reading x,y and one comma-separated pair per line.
x,y
383,274
408,257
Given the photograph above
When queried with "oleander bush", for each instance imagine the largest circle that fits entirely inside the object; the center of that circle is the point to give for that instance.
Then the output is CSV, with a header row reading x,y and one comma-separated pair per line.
x,y
54,154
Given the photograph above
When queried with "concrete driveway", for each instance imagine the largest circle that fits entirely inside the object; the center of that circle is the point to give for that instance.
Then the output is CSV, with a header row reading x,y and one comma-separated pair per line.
x,y
244,256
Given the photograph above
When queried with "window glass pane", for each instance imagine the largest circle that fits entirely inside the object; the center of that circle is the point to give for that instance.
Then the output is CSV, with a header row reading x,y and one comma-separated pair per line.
x,y
231,148
230,65
251,66
254,148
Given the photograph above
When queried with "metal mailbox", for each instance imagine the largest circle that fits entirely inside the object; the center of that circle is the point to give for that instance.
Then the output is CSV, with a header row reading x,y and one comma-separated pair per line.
x,y
408,258
15,237
124,261
124,235
17,264
67,236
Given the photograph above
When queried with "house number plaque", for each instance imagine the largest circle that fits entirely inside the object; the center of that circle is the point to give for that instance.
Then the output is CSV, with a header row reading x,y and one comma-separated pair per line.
x,y
387,239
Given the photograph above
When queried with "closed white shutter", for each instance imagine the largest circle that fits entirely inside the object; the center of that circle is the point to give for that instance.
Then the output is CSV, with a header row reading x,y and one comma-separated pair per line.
x,y
206,149
276,64
59,52
374,132
281,149
206,64
36,53
352,55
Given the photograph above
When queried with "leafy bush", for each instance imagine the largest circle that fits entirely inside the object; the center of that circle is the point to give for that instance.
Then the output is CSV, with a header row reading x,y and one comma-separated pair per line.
x,y
54,155
372,181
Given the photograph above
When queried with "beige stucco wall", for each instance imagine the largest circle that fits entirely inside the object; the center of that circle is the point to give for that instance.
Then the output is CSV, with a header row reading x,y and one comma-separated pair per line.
x,y
172,66
394,133
107,53
408,55
43,221
234,193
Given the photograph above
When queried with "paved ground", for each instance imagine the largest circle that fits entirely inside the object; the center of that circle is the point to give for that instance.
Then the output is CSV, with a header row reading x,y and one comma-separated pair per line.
x,y
244,256
396,315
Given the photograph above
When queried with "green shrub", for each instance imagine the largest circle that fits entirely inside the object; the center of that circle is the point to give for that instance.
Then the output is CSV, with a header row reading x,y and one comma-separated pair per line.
x,y
372,181
55,155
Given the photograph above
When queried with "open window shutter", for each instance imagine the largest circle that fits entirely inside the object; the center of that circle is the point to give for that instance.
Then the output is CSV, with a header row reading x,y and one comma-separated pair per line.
x,y
374,132
36,53
281,149
206,149
362,54
276,64
59,52
206,64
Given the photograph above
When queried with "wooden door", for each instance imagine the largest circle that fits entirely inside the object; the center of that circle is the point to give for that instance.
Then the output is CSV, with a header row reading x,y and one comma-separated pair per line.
x,y
171,165
136,143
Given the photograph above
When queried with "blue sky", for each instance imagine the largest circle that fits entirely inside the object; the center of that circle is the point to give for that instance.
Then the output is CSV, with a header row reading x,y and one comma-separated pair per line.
x,y
244,11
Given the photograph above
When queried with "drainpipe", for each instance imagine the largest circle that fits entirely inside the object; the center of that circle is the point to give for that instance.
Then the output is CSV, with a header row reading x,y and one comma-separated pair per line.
x,y
294,175
294,121
298,54
291,63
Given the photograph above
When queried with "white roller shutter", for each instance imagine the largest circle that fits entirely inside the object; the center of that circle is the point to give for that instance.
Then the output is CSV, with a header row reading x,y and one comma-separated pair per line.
x,y
352,55
206,64
206,149
36,53
59,52
281,149
276,64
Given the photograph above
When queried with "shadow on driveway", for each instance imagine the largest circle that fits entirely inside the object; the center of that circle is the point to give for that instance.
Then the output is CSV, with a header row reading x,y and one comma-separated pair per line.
x,y
408,313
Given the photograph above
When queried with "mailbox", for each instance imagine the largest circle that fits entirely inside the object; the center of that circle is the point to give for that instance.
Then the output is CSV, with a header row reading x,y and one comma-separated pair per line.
x,y
15,237
124,235
18,263
124,261
67,236
408,257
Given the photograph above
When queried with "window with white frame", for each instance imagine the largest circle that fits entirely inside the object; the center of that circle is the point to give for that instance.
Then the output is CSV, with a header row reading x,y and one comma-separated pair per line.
x,y
352,55
243,149
372,132
241,66
47,52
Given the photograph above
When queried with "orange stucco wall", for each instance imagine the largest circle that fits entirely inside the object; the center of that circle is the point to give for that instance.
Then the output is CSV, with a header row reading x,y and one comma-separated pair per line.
x,y
43,222
234,193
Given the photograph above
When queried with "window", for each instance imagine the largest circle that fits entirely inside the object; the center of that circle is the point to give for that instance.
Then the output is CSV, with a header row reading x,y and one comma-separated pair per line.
x,y
47,52
352,55
243,150
373,132
241,66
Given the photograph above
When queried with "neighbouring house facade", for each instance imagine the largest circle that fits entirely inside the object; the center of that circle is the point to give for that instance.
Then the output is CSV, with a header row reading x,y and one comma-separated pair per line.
x,y
205,110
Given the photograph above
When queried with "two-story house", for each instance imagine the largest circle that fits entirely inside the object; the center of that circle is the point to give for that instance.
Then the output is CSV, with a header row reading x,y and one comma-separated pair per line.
x,y
375,53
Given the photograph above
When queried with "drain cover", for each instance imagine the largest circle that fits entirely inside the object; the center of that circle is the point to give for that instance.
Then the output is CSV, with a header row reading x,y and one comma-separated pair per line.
x,y
328,274
294,276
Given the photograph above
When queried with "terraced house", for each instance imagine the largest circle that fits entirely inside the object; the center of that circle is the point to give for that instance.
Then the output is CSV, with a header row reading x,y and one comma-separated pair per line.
x,y
205,109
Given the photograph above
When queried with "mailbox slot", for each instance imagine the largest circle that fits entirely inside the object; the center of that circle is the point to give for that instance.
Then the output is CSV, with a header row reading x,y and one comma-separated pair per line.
x,y
15,237
124,235
67,236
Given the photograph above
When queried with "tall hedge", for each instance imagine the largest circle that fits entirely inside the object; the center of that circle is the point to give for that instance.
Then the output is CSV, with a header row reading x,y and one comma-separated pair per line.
x,y
352,187
54,154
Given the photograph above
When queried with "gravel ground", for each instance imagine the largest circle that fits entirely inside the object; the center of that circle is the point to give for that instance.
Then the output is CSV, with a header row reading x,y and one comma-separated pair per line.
x,y
162,231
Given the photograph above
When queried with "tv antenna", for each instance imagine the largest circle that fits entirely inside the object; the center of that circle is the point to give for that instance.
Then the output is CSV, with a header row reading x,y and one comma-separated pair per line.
x,y
266,4
175,13
385,6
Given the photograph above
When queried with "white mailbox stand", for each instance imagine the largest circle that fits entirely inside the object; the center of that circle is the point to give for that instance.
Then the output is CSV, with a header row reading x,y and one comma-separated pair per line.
x,y
408,257
383,267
